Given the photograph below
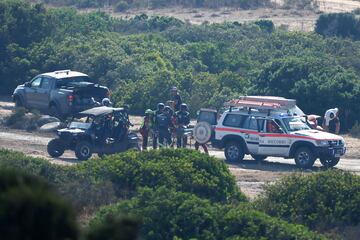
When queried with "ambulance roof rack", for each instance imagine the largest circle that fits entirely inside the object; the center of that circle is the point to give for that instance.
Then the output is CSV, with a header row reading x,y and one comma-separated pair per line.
x,y
62,71
261,103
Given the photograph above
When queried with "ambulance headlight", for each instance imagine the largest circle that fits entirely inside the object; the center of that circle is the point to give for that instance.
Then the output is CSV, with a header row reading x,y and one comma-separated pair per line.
x,y
322,143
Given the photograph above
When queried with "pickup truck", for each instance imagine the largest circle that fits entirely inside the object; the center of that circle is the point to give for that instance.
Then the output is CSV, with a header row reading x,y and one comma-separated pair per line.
x,y
60,93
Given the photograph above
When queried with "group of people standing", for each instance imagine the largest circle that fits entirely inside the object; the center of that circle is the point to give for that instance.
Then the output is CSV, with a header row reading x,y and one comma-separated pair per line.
x,y
166,123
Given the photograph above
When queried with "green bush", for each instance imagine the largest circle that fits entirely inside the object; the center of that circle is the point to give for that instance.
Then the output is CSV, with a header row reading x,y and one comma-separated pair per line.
x,y
320,201
119,176
344,25
181,169
114,228
121,6
266,25
355,130
29,209
167,214
19,119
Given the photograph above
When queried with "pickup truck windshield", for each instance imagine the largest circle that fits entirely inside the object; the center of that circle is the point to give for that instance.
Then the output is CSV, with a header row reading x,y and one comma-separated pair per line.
x,y
72,81
295,124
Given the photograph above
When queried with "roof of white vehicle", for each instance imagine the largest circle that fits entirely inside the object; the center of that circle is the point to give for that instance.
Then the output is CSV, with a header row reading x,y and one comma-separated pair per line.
x,y
64,74
264,113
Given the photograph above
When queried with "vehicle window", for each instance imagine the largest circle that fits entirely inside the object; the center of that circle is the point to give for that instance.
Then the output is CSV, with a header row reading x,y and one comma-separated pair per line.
x,y
272,127
295,124
209,117
261,124
72,81
253,124
46,83
234,120
36,82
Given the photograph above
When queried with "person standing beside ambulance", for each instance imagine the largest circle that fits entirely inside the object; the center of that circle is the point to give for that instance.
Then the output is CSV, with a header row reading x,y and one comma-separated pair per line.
x,y
331,121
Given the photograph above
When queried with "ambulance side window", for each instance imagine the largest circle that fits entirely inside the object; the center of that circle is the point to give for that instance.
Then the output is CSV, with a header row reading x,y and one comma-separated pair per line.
x,y
253,124
261,124
234,120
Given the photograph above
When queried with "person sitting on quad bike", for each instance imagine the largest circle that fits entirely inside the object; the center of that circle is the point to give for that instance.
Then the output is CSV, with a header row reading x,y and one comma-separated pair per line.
x,y
121,126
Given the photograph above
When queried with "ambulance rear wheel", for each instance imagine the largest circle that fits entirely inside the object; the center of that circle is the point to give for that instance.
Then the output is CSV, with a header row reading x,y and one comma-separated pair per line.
x,y
234,152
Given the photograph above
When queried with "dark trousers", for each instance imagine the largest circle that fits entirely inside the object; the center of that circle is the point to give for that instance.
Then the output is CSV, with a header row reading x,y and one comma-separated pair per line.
x,y
197,145
155,139
164,134
145,137
181,141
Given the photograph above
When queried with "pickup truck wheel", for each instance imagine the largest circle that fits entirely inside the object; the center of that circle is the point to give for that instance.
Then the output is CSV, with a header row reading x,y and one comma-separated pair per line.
x,y
304,158
258,158
18,102
55,148
329,163
234,152
83,150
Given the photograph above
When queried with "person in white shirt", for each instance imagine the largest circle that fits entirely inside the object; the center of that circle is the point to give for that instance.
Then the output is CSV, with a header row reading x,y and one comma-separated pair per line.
x,y
331,121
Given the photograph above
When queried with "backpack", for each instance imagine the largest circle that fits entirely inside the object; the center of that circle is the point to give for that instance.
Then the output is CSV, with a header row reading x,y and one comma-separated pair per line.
x,y
162,120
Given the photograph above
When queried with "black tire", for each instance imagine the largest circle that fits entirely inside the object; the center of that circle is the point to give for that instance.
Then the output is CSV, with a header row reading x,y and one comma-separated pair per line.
x,y
18,102
304,158
234,152
329,163
83,150
258,158
55,148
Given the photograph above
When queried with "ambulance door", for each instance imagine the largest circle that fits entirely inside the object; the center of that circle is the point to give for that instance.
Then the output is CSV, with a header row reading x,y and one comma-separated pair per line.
x,y
273,141
251,133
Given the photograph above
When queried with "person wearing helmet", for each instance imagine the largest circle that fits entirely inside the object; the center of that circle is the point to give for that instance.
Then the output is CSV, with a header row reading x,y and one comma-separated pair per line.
x,y
163,124
159,110
182,120
126,115
331,121
175,98
146,127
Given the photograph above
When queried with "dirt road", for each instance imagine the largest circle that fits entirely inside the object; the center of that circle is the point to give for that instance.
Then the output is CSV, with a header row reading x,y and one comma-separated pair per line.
x,y
250,176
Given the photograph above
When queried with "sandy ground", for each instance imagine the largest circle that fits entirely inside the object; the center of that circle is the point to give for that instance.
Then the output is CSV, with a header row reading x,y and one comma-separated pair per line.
x,y
250,176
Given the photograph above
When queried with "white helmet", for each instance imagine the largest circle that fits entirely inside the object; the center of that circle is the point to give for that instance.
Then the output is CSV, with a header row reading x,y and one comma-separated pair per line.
x,y
106,102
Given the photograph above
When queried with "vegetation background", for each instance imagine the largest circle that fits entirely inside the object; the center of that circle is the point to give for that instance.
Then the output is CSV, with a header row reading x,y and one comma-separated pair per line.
x,y
140,58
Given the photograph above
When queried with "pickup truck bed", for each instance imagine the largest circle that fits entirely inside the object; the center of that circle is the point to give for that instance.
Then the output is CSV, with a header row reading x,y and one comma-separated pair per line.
x,y
60,93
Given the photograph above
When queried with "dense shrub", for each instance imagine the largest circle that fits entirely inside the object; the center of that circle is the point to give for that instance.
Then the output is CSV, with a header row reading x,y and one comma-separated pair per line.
x,y
355,130
29,209
118,176
122,6
266,25
168,214
338,24
114,228
320,201
181,169
20,119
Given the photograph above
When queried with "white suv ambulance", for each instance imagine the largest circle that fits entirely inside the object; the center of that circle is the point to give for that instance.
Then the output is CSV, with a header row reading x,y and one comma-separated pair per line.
x,y
274,126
